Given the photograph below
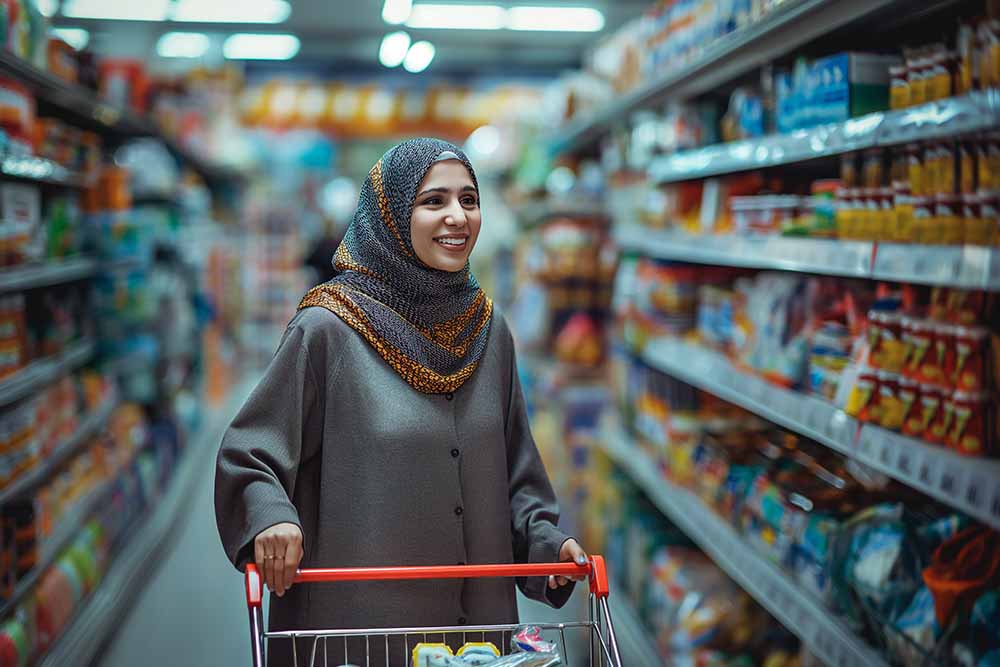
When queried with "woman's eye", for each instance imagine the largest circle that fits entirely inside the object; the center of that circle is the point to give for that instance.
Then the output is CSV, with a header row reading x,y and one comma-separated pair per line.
x,y
469,201
433,201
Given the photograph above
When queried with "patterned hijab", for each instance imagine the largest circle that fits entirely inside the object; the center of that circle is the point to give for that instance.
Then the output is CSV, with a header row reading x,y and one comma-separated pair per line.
x,y
429,325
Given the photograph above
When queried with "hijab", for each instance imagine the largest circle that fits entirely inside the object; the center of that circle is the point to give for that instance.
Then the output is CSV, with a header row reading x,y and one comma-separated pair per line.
x,y
429,325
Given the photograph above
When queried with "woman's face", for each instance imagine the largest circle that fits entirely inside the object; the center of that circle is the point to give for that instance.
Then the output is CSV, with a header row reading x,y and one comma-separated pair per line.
x,y
446,218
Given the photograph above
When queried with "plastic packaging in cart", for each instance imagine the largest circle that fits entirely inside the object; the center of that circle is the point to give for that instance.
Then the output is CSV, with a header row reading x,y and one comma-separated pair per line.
x,y
529,640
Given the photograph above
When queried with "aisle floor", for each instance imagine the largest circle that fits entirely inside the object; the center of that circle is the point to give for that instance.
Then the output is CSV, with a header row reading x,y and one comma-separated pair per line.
x,y
193,611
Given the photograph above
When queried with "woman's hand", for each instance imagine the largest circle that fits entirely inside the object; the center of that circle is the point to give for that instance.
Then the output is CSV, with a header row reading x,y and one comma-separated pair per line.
x,y
278,552
570,552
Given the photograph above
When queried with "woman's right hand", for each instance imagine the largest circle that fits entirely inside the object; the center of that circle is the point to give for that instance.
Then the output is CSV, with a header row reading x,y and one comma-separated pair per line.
x,y
278,552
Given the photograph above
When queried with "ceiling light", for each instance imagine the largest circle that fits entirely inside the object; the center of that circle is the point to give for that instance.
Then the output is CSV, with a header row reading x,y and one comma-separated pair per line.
x,y
248,46
562,19
419,57
464,17
48,8
232,11
121,10
182,45
485,141
78,38
396,11
394,48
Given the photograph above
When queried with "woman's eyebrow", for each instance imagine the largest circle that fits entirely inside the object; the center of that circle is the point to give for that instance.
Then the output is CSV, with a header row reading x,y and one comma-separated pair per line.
x,y
429,190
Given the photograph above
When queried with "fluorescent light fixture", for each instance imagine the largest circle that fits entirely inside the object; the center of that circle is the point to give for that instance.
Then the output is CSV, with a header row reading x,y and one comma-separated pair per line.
x,y
48,8
116,10
419,57
182,45
461,17
396,11
249,46
78,38
561,19
394,47
231,11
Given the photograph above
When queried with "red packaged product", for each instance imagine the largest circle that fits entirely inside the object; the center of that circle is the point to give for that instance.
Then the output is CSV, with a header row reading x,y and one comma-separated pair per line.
x,y
969,362
970,429
939,426
909,399
921,333
966,306
889,411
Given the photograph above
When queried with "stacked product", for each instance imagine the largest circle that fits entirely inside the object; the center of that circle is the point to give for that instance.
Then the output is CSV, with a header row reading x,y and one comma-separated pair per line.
x,y
824,520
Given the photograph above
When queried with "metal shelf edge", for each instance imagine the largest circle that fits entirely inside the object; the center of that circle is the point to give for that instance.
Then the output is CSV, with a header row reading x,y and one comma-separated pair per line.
x,y
43,371
815,625
44,275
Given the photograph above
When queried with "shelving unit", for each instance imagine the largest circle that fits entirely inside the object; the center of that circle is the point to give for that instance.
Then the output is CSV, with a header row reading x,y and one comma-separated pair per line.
x,y
55,272
69,527
969,484
82,108
739,53
39,170
101,613
970,267
825,635
36,375
90,426
534,214
974,112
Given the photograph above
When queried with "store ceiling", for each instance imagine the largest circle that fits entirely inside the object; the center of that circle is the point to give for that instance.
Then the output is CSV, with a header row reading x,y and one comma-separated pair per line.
x,y
343,36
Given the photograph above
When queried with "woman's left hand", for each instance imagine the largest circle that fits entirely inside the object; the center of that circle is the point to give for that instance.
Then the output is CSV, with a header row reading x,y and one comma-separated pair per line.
x,y
570,552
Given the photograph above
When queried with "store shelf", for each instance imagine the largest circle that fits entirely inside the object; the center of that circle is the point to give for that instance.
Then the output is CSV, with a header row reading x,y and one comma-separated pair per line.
x,y
974,112
632,634
971,485
132,568
81,107
817,627
53,546
970,267
534,214
66,450
45,371
823,256
778,34
50,273
39,170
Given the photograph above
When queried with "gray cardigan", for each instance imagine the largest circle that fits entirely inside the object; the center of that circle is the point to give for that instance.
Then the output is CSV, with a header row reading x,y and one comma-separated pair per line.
x,y
377,473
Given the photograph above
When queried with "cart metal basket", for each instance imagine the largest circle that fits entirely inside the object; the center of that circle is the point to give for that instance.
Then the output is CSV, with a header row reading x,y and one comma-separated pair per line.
x,y
330,647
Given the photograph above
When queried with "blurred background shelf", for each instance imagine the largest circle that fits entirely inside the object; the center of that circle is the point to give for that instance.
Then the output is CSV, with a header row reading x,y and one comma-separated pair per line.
x,y
53,272
39,373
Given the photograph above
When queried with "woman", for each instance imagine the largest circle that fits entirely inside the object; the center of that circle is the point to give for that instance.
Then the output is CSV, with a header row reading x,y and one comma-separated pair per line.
x,y
390,427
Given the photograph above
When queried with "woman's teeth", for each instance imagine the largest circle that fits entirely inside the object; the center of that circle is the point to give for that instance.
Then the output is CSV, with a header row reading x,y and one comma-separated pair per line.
x,y
451,242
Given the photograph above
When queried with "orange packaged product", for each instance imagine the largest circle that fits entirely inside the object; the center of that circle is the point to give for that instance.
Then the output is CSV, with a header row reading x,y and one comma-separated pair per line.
x,y
969,361
935,364
977,230
948,219
970,429
990,212
939,426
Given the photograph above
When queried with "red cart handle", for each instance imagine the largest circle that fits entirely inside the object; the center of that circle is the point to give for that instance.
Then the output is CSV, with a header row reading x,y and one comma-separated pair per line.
x,y
595,570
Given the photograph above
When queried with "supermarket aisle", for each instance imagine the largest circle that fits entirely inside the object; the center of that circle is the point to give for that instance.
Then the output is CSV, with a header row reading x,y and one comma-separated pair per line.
x,y
193,611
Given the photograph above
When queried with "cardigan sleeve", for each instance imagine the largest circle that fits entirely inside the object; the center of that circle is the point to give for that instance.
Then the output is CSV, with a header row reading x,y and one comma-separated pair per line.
x,y
534,509
278,427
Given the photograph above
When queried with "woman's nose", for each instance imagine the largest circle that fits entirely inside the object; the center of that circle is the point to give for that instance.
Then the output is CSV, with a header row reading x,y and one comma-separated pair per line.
x,y
455,216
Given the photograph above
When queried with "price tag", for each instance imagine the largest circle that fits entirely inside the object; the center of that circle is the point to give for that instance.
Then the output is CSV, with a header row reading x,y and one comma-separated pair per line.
x,y
977,491
867,443
904,463
927,470
887,450
952,481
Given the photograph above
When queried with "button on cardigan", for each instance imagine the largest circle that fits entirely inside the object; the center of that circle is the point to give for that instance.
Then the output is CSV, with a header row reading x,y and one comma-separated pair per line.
x,y
333,440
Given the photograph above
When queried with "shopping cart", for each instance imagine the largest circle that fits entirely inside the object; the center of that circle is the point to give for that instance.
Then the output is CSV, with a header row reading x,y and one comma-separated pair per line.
x,y
331,646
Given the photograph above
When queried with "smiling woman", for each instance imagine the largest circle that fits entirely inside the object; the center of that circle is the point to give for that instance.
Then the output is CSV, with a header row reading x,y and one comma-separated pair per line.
x,y
446,217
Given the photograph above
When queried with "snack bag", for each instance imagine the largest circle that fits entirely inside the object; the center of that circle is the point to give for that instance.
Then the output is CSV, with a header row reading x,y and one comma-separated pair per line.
x,y
432,655
478,653
528,639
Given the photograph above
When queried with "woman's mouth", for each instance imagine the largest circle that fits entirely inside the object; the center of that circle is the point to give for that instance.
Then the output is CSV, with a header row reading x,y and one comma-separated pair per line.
x,y
452,243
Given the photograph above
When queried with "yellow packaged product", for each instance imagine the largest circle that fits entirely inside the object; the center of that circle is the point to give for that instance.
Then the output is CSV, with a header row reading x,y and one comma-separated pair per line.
x,y
947,166
925,229
939,81
899,88
915,169
917,76
887,216
977,230
966,47
966,168
948,220
990,212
